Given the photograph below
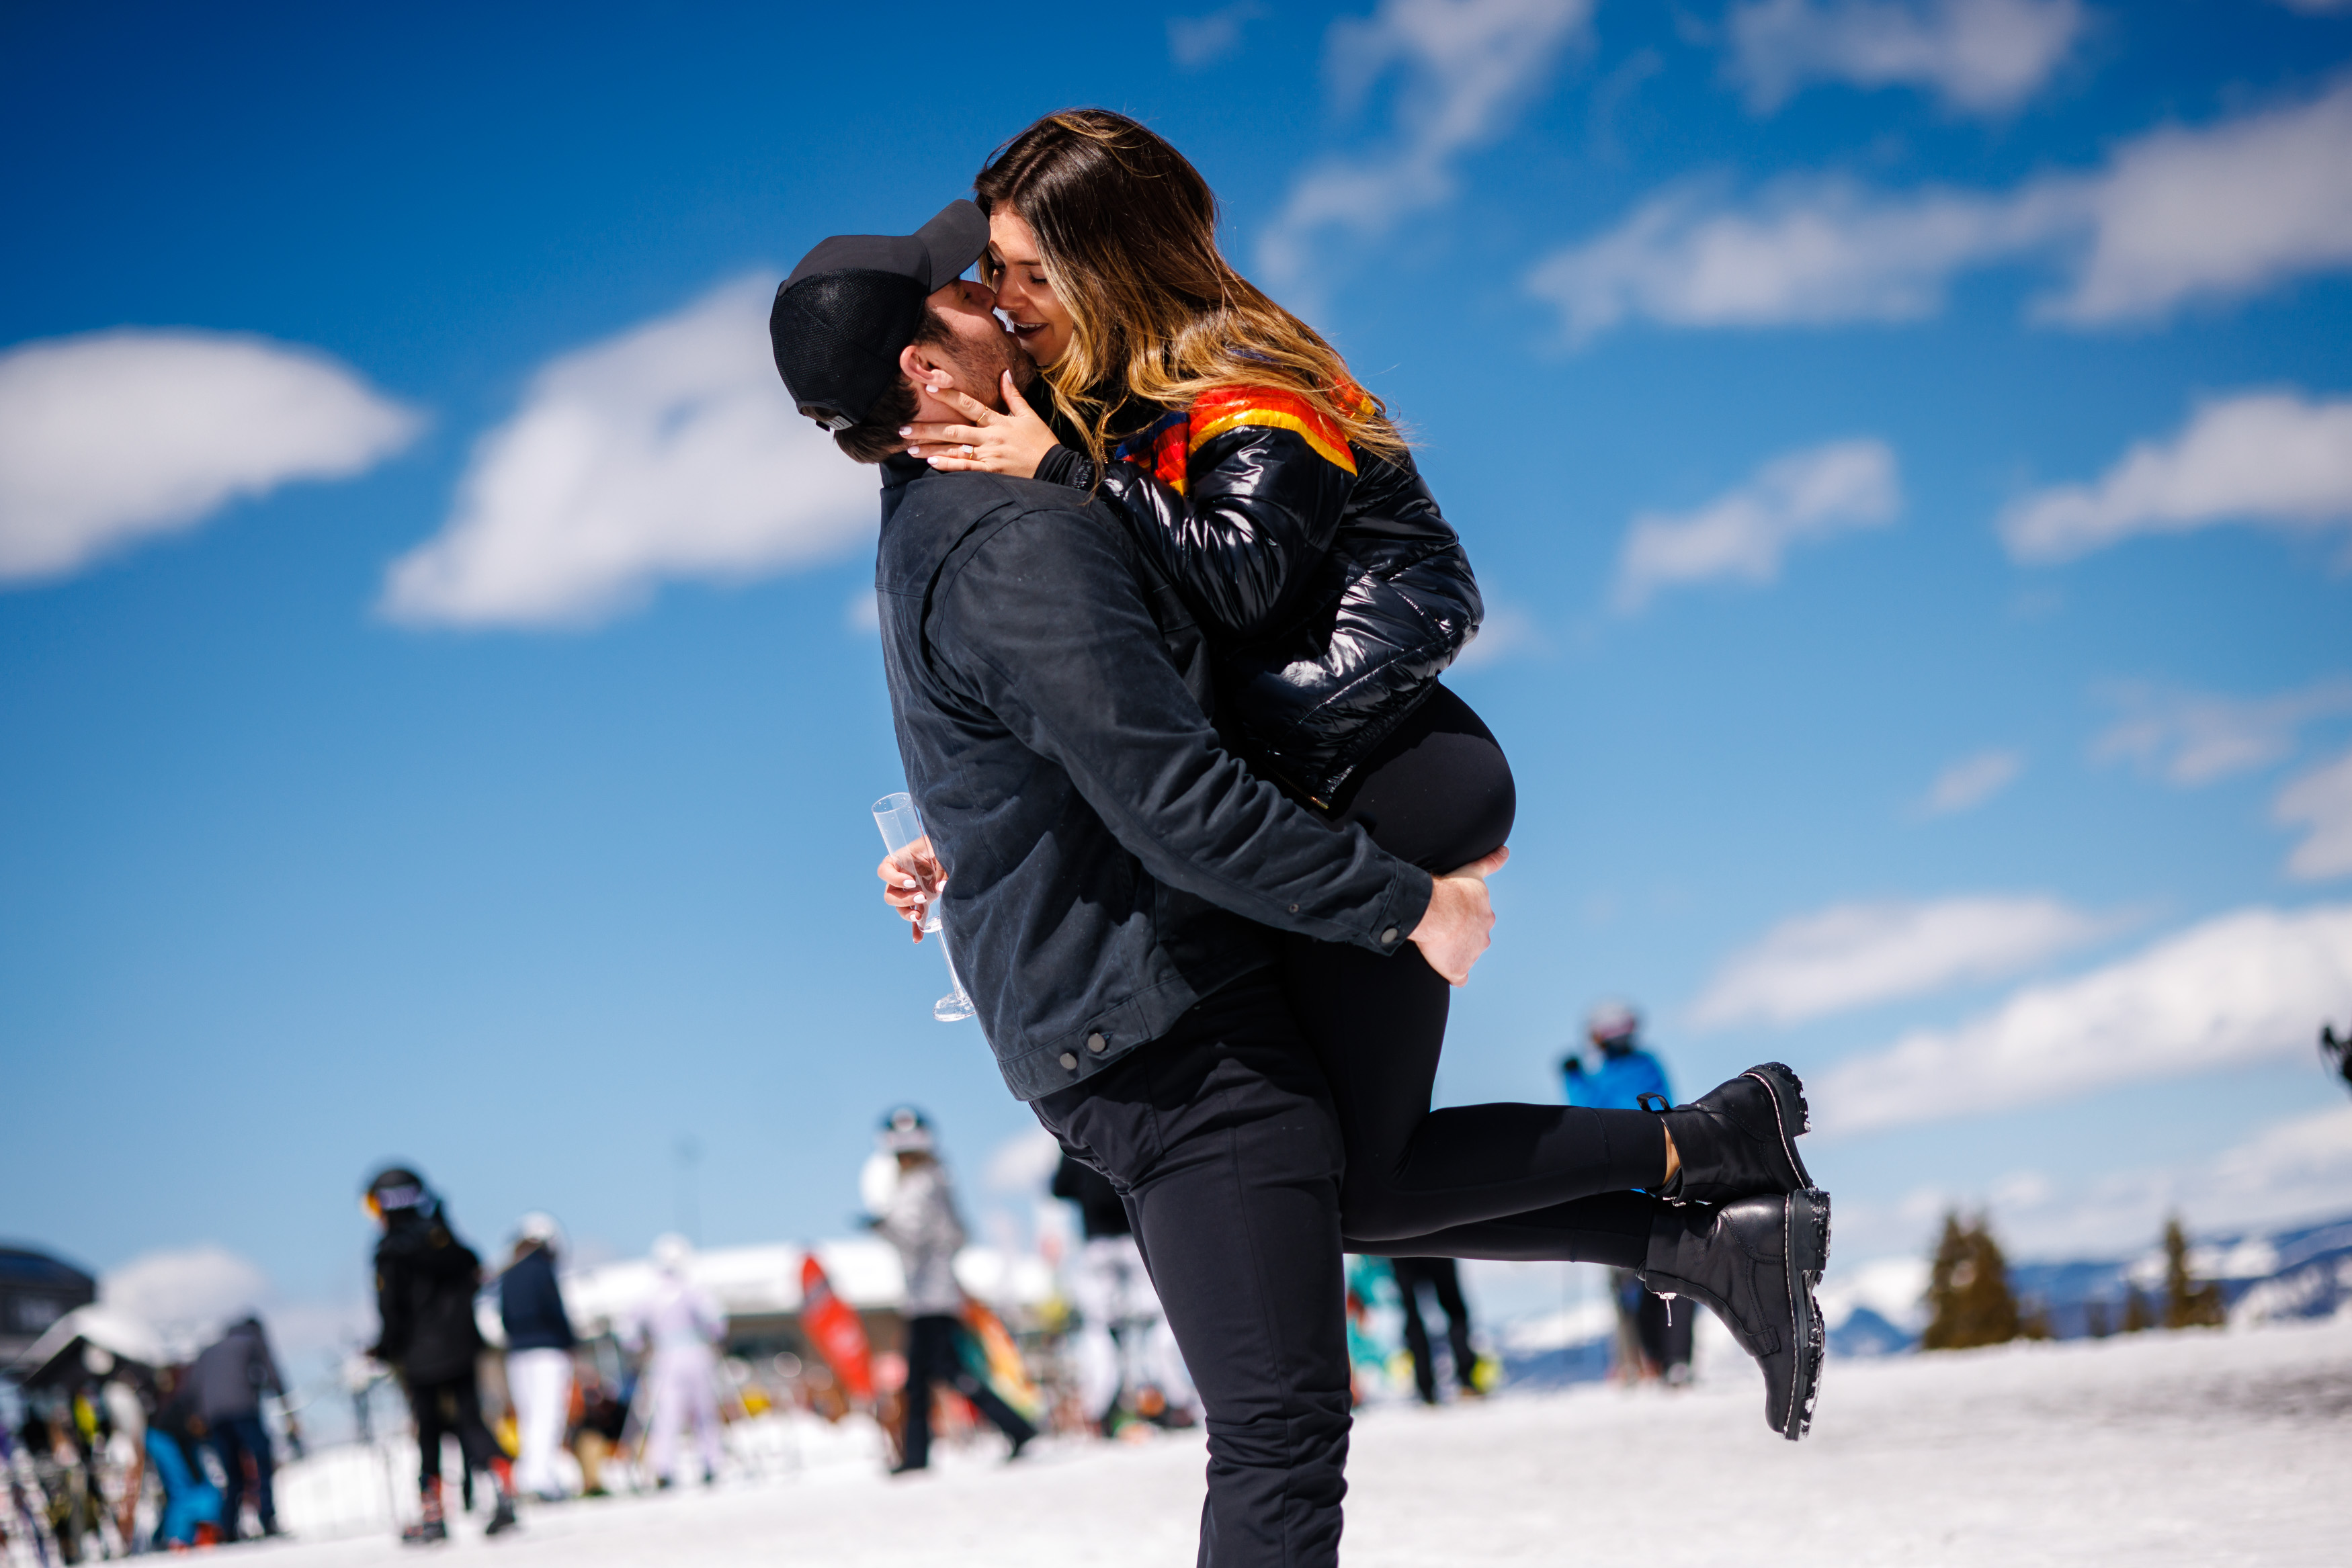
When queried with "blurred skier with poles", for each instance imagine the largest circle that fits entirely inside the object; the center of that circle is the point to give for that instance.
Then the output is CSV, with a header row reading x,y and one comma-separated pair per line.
x,y
919,1220
424,1284
539,1353
1653,1340
681,1324
1129,1365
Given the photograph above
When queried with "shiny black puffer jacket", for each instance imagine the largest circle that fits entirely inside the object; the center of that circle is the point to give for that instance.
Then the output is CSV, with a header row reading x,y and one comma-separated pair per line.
x,y
1333,590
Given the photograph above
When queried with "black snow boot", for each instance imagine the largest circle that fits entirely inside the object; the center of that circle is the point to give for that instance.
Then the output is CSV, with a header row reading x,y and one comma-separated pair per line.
x,y
1755,1263
1739,1139
430,1528
502,1518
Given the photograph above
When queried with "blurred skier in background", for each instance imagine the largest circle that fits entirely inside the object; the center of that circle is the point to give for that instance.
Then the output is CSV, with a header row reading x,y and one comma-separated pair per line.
x,y
682,1324
919,1220
539,1353
1654,1337
1126,1353
1443,1279
426,1279
230,1376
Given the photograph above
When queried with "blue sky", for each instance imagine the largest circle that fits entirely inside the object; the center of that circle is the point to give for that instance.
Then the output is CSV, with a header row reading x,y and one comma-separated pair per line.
x,y
1905,446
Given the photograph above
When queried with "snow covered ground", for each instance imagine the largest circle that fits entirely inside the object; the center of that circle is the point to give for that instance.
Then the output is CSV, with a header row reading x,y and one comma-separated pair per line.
x,y
2202,1448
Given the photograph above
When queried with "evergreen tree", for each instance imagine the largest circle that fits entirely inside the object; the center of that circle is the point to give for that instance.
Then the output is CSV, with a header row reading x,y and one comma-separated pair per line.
x,y
2187,1303
2094,1319
1969,1298
2137,1313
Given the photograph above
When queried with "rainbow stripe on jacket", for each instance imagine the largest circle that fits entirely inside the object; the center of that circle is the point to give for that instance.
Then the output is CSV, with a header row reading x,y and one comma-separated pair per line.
x,y
1164,448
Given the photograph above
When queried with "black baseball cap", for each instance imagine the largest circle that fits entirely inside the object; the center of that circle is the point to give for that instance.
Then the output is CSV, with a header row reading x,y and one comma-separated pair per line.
x,y
855,301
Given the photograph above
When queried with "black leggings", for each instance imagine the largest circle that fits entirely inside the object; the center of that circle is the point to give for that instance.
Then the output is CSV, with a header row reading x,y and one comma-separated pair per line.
x,y
1469,1181
452,1407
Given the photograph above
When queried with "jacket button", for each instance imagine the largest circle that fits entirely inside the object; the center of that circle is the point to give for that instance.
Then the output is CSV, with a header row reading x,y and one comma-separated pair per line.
x,y
1069,1063
1097,1044
1387,938
1293,909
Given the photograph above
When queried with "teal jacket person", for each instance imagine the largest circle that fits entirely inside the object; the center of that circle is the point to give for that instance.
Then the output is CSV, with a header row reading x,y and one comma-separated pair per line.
x,y
1625,1072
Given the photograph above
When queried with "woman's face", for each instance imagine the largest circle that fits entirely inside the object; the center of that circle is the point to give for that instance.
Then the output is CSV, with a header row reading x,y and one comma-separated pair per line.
x,y
1038,317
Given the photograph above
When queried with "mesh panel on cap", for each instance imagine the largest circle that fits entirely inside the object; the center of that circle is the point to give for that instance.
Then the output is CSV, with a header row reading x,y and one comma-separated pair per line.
x,y
836,336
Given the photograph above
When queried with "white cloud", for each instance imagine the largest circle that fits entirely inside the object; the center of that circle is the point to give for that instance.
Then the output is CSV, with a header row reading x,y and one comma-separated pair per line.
x,y
1984,56
2196,737
1801,499
2246,986
1855,954
2322,801
2287,1172
1464,69
186,1294
670,450
1197,41
1022,1164
1507,632
111,437
1971,781
2177,216
2266,457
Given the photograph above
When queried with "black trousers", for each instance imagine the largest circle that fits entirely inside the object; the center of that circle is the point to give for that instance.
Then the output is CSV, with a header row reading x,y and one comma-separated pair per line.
x,y
1438,792
1443,1279
934,1355
236,1439
451,1407
1221,1138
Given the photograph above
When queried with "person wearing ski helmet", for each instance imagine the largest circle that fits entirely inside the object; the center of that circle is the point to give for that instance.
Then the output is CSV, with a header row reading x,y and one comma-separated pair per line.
x,y
1653,1338
539,1352
919,1220
679,1325
425,1279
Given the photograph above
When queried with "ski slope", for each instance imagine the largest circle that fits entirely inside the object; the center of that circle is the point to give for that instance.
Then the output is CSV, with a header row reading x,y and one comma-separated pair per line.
x,y
2204,1447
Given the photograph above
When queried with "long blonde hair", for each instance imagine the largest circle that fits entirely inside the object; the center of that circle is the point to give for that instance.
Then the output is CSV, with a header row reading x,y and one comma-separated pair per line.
x,y
1127,230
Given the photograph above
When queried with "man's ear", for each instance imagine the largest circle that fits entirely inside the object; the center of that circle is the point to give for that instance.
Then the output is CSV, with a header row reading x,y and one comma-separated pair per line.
x,y
920,367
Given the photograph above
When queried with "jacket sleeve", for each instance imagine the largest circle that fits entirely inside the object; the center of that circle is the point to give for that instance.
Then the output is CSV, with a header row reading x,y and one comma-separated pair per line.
x,y
1235,500
1046,622
391,1307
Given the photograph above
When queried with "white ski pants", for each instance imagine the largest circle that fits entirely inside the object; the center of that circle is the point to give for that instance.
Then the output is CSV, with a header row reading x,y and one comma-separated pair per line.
x,y
684,1388
541,1383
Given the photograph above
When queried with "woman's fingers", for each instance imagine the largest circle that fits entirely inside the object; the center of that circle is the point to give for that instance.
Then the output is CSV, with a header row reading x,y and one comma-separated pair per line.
x,y
941,434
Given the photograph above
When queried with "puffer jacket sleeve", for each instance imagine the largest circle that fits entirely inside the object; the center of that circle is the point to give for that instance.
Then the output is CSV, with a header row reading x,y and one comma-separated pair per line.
x,y
1237,501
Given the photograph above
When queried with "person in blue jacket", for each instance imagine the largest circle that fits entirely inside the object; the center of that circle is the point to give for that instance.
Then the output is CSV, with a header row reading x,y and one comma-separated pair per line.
x,y
539,1353
1653,1338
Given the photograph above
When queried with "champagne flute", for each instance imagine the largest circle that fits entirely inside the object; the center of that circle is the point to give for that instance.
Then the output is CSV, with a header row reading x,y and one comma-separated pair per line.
x,y
901,825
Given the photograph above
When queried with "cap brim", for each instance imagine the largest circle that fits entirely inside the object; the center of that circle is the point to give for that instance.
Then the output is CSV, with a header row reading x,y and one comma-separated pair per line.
x,y
953,241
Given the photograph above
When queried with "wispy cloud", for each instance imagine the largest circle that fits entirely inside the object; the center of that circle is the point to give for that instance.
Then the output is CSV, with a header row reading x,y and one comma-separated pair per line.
x,y
1464,69
2175,217
1506,632
1741,536
1979,57
2195,737
1022,1164
1856,954
112,437
2270,458
670,450
2246,986
1971,781
1197,41
2321,800
2288,1171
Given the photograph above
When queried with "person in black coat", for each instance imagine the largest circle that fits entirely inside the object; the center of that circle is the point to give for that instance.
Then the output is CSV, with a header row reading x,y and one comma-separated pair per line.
x,y
230,1377
425,1283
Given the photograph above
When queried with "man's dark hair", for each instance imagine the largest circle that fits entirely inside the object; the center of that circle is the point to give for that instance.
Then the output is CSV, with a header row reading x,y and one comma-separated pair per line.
x,y
876,437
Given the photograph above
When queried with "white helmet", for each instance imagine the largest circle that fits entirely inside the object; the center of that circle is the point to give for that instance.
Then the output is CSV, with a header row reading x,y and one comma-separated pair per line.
x,y
672,1252
540,1226
904,1130
1612,1022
